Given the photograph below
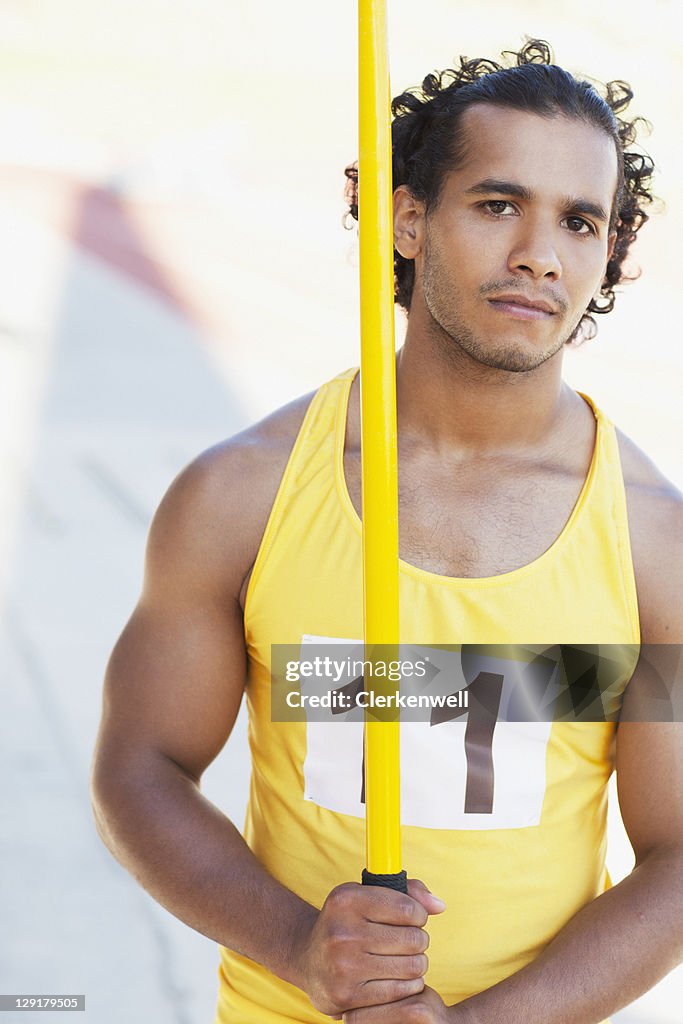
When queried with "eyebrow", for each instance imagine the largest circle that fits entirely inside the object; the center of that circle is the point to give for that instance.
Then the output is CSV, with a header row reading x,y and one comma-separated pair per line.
x,y
506,188
570,204
577,204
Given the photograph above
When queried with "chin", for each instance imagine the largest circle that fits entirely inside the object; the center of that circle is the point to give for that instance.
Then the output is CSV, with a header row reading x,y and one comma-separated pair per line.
x,y
513,358
513,354
514,361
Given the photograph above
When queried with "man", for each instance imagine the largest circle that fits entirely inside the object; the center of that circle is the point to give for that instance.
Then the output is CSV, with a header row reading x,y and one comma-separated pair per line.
x,y
524,517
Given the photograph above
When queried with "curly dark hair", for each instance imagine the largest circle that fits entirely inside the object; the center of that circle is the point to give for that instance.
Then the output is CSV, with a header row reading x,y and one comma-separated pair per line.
x,y
427,144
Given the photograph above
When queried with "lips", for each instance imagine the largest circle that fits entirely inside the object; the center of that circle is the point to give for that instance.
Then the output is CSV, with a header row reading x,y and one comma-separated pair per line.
x,y
516,299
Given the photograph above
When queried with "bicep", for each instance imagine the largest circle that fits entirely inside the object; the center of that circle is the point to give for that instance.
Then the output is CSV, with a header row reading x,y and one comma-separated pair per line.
x,y
176,676
650,734
174,683
650,784
649,751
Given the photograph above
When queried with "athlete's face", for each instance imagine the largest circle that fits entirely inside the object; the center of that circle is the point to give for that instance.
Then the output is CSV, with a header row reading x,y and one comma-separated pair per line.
x,y
508,261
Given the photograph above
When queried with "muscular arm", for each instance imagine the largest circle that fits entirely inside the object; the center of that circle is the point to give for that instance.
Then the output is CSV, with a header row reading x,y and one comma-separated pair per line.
x,y
622,943
172,692
173,689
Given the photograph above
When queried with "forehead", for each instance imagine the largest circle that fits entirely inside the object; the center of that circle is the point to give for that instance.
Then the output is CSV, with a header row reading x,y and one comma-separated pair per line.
x,y
559,154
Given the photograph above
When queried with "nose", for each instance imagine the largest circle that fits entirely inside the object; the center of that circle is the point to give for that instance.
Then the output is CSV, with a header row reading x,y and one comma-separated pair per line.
x,y
534,252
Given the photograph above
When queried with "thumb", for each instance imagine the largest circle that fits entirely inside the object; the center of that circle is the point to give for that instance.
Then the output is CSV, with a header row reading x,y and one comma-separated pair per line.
x,y
419,891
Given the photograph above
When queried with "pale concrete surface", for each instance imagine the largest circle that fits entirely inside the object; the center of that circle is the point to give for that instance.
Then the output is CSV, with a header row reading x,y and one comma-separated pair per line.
x,y
173,267
104,452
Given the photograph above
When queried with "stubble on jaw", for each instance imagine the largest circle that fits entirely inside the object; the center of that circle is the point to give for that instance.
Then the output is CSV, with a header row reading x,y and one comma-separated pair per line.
x,y
455,339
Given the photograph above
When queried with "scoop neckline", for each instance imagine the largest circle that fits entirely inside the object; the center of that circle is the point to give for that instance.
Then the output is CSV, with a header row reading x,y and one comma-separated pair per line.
x,y
459,582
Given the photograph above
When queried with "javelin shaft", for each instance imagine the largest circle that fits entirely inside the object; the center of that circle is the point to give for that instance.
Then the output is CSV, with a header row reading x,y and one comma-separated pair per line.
x,y
378,426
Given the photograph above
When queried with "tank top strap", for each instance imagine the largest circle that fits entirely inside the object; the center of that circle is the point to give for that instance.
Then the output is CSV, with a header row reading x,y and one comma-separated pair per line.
x,y
312,459
609,499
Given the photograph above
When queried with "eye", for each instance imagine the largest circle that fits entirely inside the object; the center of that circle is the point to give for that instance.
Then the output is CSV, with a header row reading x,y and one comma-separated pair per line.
x,y
497,207
579,226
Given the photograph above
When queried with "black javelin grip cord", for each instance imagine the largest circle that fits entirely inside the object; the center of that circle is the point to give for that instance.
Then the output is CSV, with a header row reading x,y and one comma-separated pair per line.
x,y
399,881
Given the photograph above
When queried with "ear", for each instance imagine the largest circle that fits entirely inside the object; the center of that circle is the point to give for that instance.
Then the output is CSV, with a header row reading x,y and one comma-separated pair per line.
x,y
408,223
611,239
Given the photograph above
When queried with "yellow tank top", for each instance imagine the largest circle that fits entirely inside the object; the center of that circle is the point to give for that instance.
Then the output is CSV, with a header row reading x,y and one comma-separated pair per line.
x,y
512,878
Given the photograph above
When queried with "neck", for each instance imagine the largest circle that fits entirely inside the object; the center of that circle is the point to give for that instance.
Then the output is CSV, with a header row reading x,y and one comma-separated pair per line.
x,y
447,399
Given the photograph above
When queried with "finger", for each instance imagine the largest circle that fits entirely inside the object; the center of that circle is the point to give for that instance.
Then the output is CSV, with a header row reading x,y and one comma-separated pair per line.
x,y
391,940
419,891
386,1013
405,967
385,906
377,993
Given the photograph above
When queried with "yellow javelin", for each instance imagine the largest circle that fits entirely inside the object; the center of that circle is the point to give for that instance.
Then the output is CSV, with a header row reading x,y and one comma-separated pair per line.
x,y
378,435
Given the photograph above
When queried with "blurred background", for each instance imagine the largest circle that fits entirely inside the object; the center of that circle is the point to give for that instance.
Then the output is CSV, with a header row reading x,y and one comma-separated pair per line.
x,y
172,266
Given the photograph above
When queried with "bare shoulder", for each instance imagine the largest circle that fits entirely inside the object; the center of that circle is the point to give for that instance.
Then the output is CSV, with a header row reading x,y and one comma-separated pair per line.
x,y
213,516
655,513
